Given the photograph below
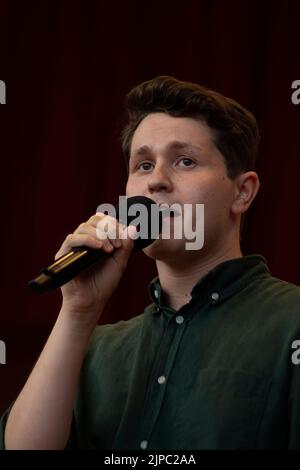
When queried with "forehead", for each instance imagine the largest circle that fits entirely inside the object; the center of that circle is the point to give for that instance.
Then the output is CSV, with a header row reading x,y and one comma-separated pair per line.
x,y
157,129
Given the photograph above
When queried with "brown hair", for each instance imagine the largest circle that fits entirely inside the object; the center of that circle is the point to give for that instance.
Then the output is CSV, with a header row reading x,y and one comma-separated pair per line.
x,y
235,129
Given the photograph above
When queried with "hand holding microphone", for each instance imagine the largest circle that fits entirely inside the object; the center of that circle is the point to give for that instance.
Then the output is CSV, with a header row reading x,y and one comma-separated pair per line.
x,y
89,269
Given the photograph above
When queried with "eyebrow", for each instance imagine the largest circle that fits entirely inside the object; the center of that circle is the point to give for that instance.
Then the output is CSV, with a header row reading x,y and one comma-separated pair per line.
x,y
174,145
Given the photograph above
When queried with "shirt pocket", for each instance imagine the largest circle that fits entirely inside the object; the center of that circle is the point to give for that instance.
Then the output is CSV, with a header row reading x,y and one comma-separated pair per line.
x,y
222,409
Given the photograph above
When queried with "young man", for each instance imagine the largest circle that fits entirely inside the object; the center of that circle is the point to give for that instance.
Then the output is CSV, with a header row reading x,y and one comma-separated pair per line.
x,y
208,365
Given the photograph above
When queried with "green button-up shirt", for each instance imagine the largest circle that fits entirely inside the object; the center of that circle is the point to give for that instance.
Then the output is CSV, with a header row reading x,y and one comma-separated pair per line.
x,y
219,373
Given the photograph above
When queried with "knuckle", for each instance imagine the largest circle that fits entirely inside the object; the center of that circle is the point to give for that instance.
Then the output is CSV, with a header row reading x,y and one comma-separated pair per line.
x,y
98,216
94,218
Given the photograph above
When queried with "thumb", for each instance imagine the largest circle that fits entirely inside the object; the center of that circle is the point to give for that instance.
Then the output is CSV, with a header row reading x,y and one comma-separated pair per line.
x,y
128,235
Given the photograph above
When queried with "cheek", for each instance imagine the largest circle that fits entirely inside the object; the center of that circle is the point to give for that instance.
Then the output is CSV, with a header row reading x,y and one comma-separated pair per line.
x,y
218,198
130,188
127,190
136,186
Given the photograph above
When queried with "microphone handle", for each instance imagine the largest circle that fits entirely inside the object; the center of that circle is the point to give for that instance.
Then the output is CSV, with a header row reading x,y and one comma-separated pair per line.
x,y
66,268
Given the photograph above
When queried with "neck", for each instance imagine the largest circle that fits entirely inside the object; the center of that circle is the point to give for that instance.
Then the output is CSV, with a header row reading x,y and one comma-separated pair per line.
x,y
177,278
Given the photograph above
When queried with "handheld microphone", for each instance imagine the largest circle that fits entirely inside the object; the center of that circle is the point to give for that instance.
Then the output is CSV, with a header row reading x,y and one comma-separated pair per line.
x,y
75,261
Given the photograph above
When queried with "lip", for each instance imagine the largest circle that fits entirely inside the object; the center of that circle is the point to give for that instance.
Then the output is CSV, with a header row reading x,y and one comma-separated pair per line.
x,y
165,210
163,203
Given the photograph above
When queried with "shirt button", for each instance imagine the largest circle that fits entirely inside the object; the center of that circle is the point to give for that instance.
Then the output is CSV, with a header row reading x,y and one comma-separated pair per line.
x,y
156,293
215,295
161,380
179,319
144,444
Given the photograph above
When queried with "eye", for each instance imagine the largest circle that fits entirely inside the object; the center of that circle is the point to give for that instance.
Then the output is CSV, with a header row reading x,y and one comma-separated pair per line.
x,y
186,162
144,166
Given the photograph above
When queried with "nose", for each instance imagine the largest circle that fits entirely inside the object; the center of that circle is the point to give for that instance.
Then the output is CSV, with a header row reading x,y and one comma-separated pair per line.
x,y
159,179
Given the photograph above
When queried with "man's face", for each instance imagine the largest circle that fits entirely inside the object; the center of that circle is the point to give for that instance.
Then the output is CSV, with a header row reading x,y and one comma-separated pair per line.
x,y
174,160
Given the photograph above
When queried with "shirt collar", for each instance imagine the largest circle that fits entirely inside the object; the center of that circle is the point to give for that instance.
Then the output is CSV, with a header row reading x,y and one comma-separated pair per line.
x,y
222,281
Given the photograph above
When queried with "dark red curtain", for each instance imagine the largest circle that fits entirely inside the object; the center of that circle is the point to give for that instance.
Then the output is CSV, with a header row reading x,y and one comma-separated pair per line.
x,y
67,66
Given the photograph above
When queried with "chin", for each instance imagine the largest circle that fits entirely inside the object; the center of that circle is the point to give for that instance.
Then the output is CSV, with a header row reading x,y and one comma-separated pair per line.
x,y
165,249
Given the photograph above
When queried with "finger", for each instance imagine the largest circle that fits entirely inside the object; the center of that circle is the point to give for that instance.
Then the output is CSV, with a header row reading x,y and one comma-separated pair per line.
x,y
86,228
102,219
122,256
74,240
99,234
94,219
129,235
108,227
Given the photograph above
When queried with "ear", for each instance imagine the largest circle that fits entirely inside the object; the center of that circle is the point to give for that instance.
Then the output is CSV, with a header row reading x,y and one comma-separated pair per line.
x,y
246,187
